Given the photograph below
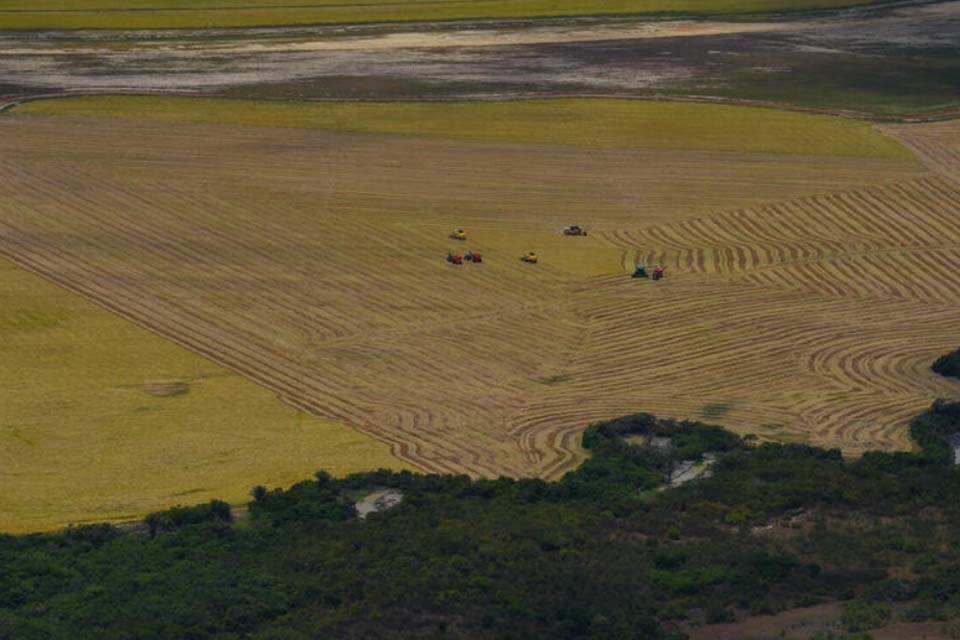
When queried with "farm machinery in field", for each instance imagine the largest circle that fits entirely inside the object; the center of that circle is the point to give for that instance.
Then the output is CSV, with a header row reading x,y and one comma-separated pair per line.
x,y
470,256
476,257
641,272
574,230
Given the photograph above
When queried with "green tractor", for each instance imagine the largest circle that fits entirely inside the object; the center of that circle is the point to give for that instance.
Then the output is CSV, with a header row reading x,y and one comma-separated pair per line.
x,y
641,272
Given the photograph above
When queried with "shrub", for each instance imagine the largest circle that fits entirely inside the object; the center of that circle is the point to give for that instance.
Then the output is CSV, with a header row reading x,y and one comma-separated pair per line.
x,y
860,615
215,511
948,365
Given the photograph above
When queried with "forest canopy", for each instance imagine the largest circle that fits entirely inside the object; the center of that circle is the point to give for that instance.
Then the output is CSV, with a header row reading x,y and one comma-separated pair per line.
x,y
609,551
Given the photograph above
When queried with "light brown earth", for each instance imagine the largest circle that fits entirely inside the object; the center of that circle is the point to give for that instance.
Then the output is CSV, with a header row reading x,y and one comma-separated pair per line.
x,y
805,300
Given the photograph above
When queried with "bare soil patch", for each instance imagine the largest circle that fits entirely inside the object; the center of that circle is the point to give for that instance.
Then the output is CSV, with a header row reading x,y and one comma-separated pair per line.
x,y
377,501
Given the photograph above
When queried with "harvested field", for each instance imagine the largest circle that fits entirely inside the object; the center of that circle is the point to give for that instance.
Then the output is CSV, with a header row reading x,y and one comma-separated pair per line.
x,y
833,309
938,144
806,296
100,420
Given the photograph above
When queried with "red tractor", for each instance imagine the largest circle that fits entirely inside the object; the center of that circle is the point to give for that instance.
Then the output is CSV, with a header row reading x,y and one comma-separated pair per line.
x,y
474,257
454,258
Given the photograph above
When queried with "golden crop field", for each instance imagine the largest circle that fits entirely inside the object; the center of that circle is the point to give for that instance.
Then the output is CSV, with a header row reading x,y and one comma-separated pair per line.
x,y
806,294
102,420
169,14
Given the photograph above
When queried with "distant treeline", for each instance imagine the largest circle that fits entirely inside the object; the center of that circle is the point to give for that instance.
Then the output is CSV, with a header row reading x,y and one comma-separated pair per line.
x,y
608,551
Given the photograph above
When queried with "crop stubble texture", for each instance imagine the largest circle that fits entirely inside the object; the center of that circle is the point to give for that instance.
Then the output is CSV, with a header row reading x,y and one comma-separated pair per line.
x,y
805,296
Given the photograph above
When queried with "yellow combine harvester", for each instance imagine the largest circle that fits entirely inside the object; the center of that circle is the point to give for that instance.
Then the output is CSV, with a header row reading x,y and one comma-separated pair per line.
x,y
530,258
459,234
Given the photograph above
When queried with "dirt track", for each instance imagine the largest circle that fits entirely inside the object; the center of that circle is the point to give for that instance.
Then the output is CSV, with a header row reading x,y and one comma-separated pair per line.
x,y
312,262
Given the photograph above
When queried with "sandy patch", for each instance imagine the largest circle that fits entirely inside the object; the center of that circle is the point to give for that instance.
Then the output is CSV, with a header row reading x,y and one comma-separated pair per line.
x,y
378,501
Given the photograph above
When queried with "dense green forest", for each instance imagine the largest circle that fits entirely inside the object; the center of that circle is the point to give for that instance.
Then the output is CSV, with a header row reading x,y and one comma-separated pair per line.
x,y
948,365
606,552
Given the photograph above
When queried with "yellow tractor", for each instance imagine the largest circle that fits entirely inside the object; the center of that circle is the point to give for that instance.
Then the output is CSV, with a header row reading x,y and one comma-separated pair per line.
x,y
530,258
459,234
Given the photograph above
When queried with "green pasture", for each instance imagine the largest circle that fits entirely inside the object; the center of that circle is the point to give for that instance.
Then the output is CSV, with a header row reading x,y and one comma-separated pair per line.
x,y
608,123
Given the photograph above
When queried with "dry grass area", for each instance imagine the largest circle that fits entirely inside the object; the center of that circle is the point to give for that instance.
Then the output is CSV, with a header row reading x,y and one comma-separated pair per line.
x,y
102,420
805,299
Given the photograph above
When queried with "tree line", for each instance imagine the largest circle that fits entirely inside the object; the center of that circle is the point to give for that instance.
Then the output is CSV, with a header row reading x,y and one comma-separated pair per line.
x,y
608,551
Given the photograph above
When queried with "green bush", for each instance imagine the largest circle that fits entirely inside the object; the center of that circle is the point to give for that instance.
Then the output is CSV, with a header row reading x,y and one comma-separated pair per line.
x,y
212,512
948,365
860,615
596,555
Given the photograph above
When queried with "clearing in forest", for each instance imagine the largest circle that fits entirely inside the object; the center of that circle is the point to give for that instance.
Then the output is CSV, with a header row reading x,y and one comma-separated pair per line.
x,y
810,277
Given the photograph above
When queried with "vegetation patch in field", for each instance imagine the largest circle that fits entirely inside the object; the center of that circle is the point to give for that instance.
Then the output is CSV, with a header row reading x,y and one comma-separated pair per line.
x,y
555,379
27,319
74,392
171,14
716,410
166,389
948,365
627,124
